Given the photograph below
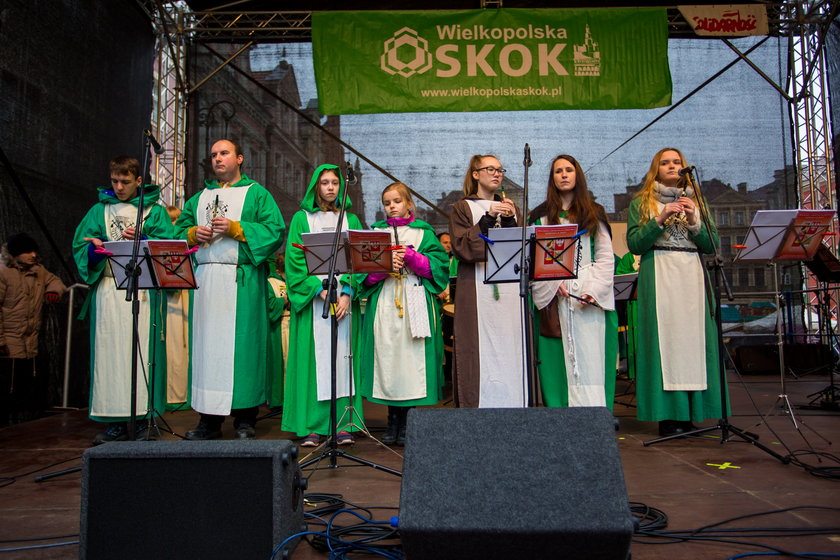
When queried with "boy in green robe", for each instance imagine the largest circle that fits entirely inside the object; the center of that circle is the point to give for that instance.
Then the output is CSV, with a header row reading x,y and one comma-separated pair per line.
x,y
113,219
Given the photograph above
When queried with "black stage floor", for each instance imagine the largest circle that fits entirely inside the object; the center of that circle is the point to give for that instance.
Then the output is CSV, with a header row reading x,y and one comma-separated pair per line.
x,y
695,482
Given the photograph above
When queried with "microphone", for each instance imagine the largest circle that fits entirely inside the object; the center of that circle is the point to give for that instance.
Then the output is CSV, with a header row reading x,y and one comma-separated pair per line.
x,y
686,170
158,149
351,176
527,161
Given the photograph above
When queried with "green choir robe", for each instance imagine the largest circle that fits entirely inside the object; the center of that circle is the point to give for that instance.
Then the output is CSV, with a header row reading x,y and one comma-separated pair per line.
x,y
432,347
111,316
627,265
275,372
654,402
304,412
229,311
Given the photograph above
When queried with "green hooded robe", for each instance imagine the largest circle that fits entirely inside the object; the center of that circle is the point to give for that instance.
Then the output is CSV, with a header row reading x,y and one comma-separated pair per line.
x,y
303,413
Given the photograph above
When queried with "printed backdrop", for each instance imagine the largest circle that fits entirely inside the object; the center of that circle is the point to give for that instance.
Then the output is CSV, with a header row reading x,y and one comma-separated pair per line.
x,y
491,60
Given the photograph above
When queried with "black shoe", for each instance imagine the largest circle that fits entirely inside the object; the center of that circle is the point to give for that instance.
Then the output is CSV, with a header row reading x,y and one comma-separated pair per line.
x,y
670,428
390,435
403,416
116,431
687,426
203,431
143,432
245,431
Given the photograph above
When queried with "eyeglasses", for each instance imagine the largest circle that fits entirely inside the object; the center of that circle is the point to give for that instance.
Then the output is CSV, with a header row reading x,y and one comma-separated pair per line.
x,y
493,170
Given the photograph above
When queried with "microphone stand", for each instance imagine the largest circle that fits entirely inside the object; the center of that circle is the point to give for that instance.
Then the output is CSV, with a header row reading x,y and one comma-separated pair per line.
x,y
727,430
132,294
524,269
132,272
331,284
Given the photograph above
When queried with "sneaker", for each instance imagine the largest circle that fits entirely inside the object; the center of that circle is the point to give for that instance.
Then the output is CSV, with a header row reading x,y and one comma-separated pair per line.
x,y
312,440
344,438
116,431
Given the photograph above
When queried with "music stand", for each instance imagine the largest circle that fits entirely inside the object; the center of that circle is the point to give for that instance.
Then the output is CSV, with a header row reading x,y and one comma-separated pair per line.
x,y
727,430
336,253
785,235
826,268
164,264
625,286
624,291
554,253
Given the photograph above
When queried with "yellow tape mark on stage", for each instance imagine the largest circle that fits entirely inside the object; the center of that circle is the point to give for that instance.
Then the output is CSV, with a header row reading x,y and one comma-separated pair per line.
x,y
726,465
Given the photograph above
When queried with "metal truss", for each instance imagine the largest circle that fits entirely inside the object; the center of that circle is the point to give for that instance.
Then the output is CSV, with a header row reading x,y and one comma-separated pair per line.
x,y
265,27
810,119
169,106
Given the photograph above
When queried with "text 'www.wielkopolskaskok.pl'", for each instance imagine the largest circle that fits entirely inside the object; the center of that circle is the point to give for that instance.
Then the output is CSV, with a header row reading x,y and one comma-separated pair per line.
x,y
473,91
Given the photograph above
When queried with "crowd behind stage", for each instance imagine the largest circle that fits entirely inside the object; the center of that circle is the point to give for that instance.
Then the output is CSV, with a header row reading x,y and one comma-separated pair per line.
x,y
253,334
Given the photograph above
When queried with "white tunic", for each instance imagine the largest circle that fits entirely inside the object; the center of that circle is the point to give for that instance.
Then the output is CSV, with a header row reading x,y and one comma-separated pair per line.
x,y
214,307
399,359
111,390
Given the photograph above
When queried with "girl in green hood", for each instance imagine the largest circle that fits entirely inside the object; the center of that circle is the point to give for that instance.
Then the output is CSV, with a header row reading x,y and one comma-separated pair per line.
x,y
306,403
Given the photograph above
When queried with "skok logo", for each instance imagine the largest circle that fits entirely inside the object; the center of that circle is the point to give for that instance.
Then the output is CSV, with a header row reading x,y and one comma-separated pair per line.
x,y
406,54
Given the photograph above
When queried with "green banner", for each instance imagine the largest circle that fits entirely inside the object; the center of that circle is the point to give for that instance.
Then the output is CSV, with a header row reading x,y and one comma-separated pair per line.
x,y
491,60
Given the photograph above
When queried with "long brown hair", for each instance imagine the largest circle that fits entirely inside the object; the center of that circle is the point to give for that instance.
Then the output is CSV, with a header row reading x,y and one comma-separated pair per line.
x,y
645,193
583,211
470,182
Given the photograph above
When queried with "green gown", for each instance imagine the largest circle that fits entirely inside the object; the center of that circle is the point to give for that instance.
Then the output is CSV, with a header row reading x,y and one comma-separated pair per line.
x,y
626,265
433,345
275,373
111,371
655,403
229,311
551,352
303,412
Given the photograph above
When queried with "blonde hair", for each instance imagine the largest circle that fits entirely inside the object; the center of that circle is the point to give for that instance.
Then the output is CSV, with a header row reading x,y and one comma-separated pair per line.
x,y
646,193
470,182
404,191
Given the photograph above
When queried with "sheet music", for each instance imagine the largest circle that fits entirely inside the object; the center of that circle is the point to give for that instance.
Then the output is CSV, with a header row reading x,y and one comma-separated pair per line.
x,y
319,247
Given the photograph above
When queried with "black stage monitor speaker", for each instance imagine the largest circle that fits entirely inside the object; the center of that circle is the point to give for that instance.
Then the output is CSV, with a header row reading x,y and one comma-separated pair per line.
x,y
513,483
196,499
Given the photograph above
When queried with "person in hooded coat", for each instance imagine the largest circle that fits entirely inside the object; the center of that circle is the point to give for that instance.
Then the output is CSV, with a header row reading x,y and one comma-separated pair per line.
x,y
306,402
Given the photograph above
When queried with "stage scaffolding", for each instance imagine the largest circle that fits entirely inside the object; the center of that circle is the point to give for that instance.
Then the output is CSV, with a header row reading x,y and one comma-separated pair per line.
x,y
804,23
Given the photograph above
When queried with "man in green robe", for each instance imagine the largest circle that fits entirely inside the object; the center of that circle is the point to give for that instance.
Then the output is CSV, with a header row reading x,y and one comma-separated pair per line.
x,y
237,227
113,219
